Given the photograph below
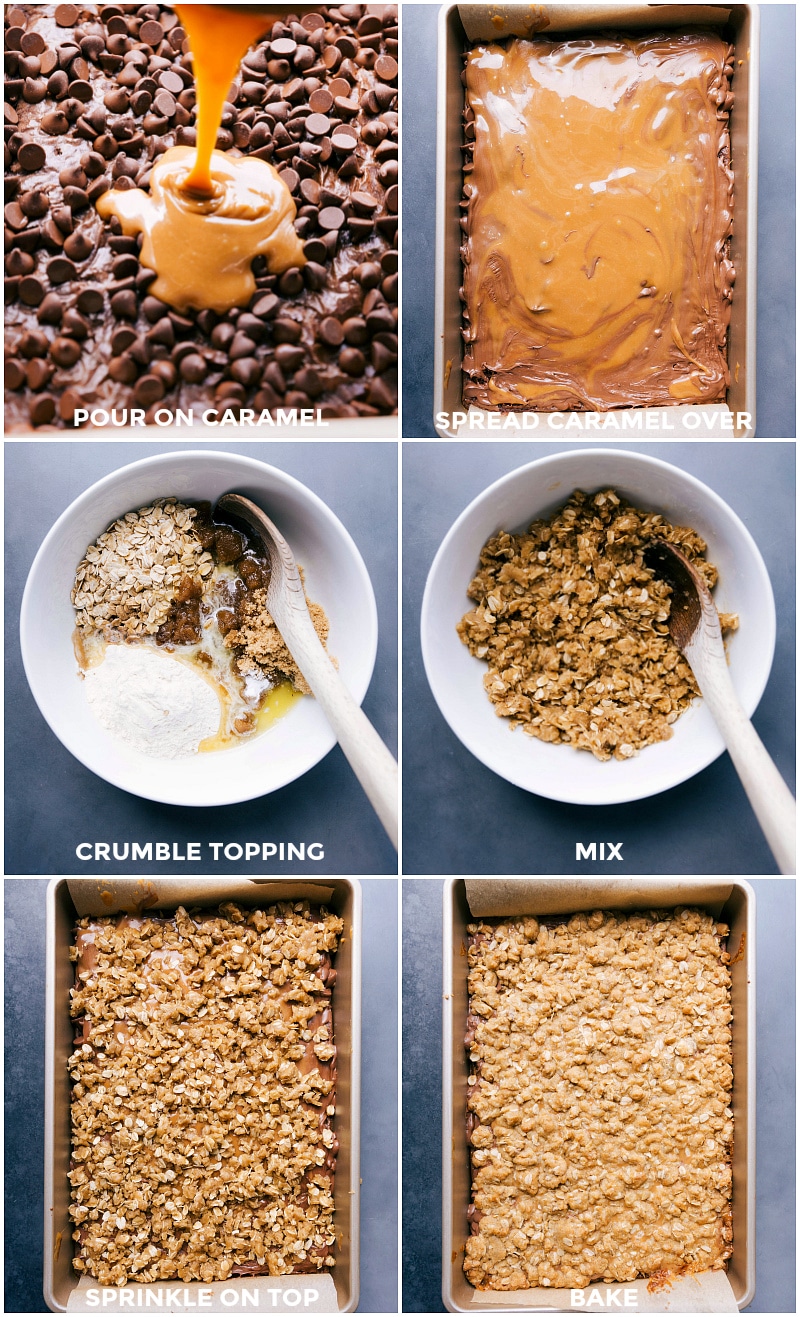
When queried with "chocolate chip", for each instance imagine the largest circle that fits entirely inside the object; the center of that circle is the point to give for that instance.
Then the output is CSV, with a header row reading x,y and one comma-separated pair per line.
x,y
61,271
331,218
352,361
78,247
344,141
93,164
15,217
314,250
90,301
265,306
355,330
14,374
290,178
117,101
391,199
285,330
34,204
315,276
31,156
380,395
75,198
62,217
69,402
97,189
55,123
288,357
368,274
125,267
42,409
73,176
164,103
312,22
58,85
321,101
193,368
75,326
65,351
34,344
51,310
123,369
124,306
148,389
152,33
32,43
19,263
240,346
386,68
166,372
38,373
34,90
389,287
330,332
66,15
317,125
121,340
80,90
246,371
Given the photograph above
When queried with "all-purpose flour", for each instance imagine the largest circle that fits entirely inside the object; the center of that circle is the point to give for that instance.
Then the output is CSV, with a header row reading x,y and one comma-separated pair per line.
x,y
153,701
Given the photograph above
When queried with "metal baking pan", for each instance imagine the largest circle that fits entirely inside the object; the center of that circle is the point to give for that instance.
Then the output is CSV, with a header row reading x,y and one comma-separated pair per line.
x,y
734,903
460,26
341,895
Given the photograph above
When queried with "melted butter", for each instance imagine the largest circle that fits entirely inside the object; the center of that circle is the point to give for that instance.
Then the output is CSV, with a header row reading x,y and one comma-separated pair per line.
x,y
202,249
599,208
277,702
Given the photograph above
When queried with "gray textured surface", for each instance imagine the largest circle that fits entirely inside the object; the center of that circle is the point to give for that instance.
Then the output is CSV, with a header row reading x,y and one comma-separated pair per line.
x,y
463,819
24,1094
53,802
775,406
775,1095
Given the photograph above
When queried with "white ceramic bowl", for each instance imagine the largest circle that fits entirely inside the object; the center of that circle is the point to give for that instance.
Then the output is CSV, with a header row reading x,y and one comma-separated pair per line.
x,y
536,491
335,577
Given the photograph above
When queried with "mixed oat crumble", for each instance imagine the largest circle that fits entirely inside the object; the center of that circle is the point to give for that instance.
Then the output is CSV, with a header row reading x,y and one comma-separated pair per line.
x,y
573,627
599,1113
203,1094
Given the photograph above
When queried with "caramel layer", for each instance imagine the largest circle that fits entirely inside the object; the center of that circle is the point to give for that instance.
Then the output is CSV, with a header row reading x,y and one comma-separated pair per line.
x,y
599,204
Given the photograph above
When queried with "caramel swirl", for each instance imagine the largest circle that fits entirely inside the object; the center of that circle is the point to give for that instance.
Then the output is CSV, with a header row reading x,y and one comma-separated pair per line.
x,y
599,204
202,248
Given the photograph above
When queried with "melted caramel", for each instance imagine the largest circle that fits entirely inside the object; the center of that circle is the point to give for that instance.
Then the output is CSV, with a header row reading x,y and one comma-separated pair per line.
x,y
219,36
203,250
599,205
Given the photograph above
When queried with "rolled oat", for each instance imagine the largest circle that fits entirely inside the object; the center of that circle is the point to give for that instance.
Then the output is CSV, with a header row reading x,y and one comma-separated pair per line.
x,y
573,627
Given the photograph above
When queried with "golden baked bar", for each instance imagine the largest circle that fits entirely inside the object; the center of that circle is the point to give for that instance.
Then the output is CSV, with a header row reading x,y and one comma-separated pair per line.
x,y
599,1107
204,1086
599,209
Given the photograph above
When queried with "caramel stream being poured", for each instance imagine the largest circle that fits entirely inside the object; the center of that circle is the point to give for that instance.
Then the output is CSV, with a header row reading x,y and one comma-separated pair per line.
x,y
208,214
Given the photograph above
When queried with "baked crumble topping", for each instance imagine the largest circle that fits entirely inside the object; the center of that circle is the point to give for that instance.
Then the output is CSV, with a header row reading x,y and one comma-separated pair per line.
x,y
599,1112
203,1091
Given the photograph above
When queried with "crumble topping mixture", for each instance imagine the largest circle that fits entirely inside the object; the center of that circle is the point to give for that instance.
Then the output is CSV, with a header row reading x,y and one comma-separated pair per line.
x,y
599,1110
573,627
203,1093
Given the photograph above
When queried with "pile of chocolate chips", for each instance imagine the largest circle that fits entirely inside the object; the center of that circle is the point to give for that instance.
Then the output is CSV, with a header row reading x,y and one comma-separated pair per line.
x,y
94,95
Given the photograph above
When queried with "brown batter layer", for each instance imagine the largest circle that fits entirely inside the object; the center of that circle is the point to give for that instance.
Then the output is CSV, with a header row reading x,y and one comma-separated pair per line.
x,y
179,1163
599,203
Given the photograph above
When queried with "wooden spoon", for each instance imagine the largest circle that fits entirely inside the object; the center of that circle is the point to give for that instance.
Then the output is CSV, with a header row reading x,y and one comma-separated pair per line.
x,y
694,627
371,762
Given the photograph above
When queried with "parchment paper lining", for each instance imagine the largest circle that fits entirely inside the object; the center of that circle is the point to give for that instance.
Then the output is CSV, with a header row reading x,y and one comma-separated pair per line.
x,y
133,895
496,22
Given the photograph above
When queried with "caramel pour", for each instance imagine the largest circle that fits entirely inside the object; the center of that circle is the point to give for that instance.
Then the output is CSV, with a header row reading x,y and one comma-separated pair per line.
x,y
219,37
208,214
599,208
202,251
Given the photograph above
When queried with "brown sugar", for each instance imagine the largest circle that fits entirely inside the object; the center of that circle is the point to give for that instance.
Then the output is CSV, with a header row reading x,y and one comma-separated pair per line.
x,y
264,649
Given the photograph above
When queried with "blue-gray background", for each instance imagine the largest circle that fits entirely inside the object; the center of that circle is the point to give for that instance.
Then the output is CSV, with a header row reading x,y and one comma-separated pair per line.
x,y
460,818
775,403
53,802
775,1095
24,1094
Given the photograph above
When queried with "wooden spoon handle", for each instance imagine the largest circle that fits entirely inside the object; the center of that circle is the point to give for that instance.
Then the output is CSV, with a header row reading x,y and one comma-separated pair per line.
x,y
364,750
772,801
